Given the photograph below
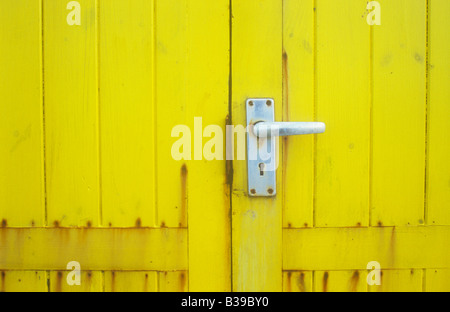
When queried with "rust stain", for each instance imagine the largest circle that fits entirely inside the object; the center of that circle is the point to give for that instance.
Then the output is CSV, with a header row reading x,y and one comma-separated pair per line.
x,y
4,223
380,223
113,281
138,222
182,281
163,224
289,276
110,224
32,223
358,224
89,224
59,277
56,223
146,283
325,282
306,224
183,176
354,281
301,282
3,287
289,225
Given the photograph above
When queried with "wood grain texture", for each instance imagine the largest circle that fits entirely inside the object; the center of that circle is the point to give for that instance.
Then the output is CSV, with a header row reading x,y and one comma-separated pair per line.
x,y
399,99
127,123
298,105
343,71
256,72
71,115
21,121
438,169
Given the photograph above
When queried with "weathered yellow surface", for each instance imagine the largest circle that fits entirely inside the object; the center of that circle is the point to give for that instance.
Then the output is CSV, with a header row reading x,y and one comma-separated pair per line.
x,y
89,282
354,248
342,89
23,281
87,175
298,151
438,164
94,249
21,120
256,72
398,121
340,281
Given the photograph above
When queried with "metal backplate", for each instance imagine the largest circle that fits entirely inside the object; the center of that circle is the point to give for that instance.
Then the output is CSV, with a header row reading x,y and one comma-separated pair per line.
x,y
261,160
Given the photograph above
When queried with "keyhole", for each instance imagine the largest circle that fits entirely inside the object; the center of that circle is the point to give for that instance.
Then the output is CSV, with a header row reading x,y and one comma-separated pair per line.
x,y
261,169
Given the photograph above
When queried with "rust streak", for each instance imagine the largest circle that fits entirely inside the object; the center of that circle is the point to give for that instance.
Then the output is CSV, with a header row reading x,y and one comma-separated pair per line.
x,y
229,157
183,175
301,282
182,282
113,281
289,288
354,281
138,222
58,287
325,282
3,287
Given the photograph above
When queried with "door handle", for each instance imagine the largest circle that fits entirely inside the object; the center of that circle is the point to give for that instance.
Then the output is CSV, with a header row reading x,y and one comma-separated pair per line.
x,y
262,160
263,129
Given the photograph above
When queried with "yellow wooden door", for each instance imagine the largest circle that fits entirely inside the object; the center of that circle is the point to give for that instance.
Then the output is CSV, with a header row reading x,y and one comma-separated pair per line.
x,y
89,93
92,90
375,185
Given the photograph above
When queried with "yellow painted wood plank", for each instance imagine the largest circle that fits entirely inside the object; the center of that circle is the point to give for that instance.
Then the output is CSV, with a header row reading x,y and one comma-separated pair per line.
x,y
297,281
171,110
438,182
343,103
399,281
127,113
71,115
437,280
21,138
399,62
95,249
208,192
340,281
120,281
354,248
256,72
23,281
175,281
298,105
89,282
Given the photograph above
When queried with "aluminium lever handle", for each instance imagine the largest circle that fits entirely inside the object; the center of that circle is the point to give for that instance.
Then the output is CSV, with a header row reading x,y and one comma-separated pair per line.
x,y
266,129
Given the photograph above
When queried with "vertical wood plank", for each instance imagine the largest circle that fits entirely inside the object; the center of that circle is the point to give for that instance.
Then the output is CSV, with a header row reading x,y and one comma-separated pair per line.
x,y
208,193
121,281
298,105
438,183
23,281
256,72
71,115
399,62
171,110
21,120
127,113
343,103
